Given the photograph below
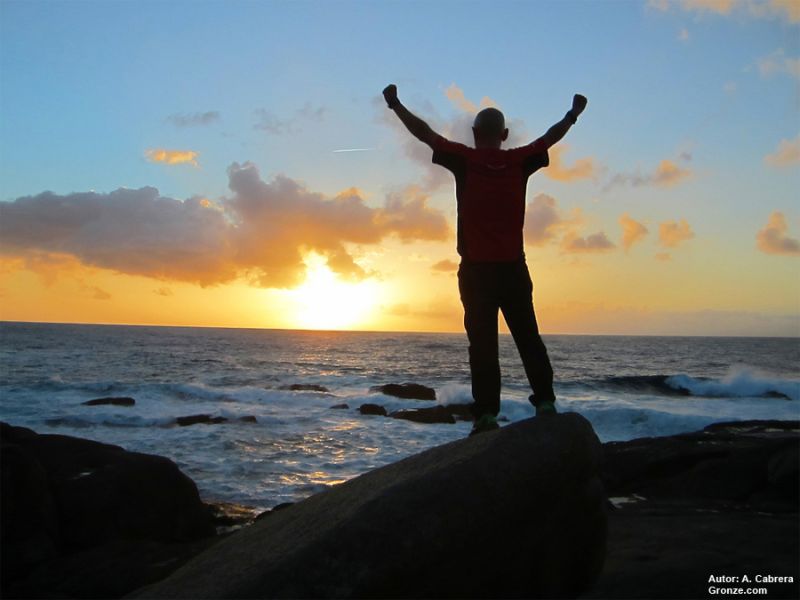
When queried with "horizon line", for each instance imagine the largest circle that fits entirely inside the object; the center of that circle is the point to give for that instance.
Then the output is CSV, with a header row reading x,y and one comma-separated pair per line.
x,y
384,331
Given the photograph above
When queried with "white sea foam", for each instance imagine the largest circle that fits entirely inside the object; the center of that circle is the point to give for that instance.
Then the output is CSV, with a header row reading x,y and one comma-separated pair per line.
x,y
739,382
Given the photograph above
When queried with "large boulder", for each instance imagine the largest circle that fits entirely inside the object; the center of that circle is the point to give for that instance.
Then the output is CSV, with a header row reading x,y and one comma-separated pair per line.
x,y
516,512
751,462
87,493
722,501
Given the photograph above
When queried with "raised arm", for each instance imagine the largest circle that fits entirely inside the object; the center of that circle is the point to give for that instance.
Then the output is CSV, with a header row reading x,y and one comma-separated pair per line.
x,y
416,126
560,129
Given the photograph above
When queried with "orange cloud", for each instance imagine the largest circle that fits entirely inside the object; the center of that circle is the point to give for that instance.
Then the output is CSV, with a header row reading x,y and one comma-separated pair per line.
x,y
672,233
722,7
786,9
773,238
172,157
584,168
596,242
261,232
456,95
787,154
632,231
446,266
666,174
544,221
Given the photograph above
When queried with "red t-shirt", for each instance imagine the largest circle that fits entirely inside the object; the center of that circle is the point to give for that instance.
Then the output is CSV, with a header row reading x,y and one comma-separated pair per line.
x,y
490,193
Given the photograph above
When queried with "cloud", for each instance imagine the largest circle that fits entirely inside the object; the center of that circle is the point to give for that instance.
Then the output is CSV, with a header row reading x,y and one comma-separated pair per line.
x,y
773,238
663,256
787,154
456,95
596,242
163,291
729,87
172,157
778,63
544,221
632,231
666,174
672,233
683,34
261,232
269,122
584,168
788,10
193,119
722,7
446,266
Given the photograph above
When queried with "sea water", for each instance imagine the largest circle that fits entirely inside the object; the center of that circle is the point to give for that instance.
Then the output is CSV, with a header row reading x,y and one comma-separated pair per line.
x,y
627,387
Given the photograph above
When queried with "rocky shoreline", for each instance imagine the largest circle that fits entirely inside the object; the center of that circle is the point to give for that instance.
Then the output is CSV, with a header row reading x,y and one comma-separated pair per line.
x,y
82,519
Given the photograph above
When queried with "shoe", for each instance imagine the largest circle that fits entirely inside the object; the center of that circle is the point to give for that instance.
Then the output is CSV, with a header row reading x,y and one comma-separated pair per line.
x,y
486,422
545,408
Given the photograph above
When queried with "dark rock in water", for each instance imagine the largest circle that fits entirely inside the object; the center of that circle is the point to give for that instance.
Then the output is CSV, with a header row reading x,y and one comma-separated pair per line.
x,y
63,495
344,405
113,400
372,409
408,391
248,419
447,413
722,501
434,414
195,419
517,512
305,387
462,412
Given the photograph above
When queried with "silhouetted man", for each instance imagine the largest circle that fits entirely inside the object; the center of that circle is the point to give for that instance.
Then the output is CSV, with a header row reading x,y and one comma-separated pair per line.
x,y
493,275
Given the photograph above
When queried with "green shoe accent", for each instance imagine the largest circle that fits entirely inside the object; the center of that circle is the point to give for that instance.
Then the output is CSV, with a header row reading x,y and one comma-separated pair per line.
x,y
546,408
484,423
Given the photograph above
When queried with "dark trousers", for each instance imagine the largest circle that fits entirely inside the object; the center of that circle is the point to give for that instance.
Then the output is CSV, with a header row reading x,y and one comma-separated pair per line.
x,y
486,288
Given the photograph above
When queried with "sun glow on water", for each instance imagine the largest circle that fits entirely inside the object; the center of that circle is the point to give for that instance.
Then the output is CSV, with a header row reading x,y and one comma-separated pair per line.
x,y
324,301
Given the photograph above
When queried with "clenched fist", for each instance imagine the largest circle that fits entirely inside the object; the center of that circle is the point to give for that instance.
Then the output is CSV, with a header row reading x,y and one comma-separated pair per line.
x,y
390,95
578,104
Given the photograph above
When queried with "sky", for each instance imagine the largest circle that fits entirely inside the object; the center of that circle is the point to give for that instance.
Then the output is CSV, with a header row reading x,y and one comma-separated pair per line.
x,y
233,164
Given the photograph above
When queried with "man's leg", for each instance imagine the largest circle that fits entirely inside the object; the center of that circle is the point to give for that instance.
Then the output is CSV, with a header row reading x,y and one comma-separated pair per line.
x,y
517,307
480,321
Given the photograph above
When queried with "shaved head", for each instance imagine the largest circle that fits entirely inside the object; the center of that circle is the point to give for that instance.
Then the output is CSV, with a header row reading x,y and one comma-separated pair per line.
x,y
490,122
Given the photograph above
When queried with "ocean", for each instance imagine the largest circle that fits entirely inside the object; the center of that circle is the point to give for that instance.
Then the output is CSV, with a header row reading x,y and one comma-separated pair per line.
x,y
627,387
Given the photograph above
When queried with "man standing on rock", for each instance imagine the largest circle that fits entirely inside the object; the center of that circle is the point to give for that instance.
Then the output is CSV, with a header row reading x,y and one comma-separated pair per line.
x,y
493,275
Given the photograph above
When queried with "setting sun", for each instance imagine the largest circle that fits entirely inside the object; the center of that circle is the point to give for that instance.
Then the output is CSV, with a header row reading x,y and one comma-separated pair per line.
x,y
326,302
